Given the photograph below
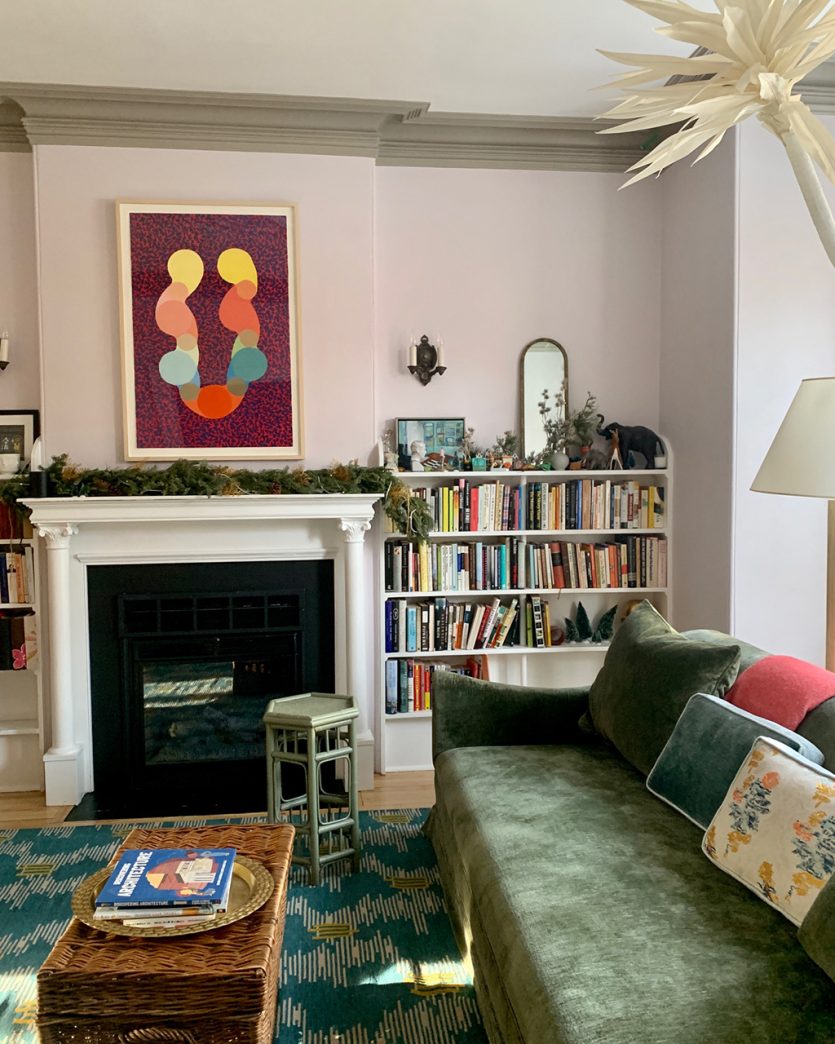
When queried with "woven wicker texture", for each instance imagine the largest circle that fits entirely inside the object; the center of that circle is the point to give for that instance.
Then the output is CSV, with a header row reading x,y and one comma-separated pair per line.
x,y
217,987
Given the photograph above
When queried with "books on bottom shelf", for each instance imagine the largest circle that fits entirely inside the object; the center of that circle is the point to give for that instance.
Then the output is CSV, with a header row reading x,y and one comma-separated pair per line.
x,y
17,638
409,682
158,887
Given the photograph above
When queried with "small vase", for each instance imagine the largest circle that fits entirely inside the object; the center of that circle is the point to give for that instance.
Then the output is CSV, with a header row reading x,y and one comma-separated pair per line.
x,y
559,460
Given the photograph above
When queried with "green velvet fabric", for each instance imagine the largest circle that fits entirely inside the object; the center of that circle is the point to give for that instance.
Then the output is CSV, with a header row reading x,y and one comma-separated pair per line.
x,y
592,915
817,932
819,728
649,674
749,654
471,713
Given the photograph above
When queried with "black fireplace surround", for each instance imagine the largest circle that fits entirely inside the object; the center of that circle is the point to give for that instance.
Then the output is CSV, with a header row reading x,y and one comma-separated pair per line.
x,y
184,659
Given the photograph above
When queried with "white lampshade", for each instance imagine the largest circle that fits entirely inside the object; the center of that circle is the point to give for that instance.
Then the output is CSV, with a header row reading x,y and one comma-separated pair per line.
x,y
800,461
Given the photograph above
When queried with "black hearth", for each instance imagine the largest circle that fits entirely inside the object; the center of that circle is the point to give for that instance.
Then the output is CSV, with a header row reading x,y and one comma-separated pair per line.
x,y
184,659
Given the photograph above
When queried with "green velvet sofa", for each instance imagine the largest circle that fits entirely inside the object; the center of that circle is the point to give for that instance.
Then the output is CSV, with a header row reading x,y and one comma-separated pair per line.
x,y
588,910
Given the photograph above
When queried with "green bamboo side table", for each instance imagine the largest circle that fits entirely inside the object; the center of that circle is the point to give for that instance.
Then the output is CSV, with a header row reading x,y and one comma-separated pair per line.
x,y
311,731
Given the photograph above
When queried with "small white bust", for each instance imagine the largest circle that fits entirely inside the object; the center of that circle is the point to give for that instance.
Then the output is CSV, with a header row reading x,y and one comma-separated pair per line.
x,y
418,453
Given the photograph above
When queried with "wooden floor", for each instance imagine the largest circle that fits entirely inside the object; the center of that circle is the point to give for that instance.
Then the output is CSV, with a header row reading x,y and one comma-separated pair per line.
x,y
394,790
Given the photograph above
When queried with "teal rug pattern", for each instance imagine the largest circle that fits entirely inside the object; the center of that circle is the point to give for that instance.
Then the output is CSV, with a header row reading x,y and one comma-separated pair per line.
x,y
368,958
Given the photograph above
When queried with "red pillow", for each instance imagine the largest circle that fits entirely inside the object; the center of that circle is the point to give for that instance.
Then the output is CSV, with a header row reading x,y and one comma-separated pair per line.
x,y
782,689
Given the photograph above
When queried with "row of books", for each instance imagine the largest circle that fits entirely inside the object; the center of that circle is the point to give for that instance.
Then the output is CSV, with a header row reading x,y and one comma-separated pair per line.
x,y
595,504
537,623
585,503
17,574
635,561
443,626
513,564
16,639
476,566
159,887
409,682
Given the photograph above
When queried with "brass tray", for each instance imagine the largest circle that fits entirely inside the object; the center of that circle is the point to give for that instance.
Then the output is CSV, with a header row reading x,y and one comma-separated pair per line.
x,y
252,885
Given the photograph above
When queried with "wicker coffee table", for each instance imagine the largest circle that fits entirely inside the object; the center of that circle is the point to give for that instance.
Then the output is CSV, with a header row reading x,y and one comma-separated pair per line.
x,y
217,987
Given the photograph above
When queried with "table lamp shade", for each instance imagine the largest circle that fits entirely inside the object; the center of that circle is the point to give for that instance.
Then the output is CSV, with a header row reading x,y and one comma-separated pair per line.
x,y
801,461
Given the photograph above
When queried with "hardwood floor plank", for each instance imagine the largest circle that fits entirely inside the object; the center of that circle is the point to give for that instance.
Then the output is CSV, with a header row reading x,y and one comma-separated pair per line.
x,y
394,790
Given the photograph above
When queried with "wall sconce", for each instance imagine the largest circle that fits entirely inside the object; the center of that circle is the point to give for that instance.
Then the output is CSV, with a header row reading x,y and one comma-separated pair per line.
x,y
4,349
425,360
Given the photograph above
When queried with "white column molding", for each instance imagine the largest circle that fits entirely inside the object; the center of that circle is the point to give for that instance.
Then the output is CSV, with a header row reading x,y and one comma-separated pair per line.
x,y
356,627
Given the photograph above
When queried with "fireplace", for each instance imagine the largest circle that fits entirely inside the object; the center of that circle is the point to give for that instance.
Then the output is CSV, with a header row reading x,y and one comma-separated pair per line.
x,y
184,660
241,537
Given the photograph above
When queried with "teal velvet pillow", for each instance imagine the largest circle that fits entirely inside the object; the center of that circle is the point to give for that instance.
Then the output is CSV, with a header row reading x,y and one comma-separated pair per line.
x,y
649,674
700,759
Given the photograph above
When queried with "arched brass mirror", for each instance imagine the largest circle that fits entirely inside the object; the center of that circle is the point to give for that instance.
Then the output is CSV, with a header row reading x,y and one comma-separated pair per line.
x,y
544,365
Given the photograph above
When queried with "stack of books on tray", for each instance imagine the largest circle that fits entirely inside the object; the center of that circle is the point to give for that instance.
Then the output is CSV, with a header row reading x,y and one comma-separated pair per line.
x,y
162,887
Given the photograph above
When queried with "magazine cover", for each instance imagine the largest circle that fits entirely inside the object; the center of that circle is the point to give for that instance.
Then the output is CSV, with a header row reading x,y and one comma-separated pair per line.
x,y
169,877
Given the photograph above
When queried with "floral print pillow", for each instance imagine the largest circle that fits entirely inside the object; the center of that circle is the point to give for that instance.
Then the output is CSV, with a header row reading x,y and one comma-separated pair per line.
x,y
775,830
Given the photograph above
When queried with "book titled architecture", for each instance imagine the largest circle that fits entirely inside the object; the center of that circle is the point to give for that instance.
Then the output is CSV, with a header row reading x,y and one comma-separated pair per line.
x,y
169,877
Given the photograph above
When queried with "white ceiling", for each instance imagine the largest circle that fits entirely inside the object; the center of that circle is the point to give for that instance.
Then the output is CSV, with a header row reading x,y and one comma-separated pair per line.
x,y
526,57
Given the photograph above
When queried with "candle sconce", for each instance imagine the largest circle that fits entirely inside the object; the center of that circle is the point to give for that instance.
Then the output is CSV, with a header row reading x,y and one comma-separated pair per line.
x,y
425,359
4,349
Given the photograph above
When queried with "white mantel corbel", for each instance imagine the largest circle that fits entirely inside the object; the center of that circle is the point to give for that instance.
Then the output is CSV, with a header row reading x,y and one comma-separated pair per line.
x,y
82,531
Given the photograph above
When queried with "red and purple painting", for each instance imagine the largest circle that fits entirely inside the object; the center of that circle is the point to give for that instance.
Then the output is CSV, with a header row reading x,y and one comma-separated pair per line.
x,y
209,338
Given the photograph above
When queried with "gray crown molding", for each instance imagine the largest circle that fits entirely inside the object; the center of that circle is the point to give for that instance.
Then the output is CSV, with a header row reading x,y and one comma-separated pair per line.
x,y
12,135
447,139
391,132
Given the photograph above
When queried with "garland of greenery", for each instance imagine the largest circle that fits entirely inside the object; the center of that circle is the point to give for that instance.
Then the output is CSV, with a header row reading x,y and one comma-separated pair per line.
x,y
410,515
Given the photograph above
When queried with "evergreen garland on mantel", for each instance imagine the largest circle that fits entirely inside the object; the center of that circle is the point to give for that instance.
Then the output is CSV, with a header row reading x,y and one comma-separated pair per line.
x,y
185,478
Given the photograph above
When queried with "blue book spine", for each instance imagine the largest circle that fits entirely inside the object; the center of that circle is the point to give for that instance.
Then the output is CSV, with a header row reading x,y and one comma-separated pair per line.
x,y
411,629
392,673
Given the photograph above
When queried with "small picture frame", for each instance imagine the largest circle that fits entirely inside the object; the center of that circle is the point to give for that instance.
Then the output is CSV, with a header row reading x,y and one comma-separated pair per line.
x,y
442,438
18,431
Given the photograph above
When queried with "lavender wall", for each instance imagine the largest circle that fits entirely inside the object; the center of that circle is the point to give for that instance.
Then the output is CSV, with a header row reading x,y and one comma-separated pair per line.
x,y
786,332
494,259
20,381
698,335
76,189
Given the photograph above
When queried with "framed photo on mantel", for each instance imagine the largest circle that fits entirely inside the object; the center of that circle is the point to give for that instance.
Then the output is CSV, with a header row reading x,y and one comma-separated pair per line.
x,y
209,315
439,436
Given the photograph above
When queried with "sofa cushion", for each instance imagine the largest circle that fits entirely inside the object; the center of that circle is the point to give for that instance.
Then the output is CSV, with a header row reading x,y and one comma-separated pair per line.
x,y
749,654
775,831
709,743
649,674
782,689
819,727
591,914
817,933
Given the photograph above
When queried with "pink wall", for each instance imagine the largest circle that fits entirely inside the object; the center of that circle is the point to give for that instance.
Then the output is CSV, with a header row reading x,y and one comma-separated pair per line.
x,y
492,259
76,189
20,381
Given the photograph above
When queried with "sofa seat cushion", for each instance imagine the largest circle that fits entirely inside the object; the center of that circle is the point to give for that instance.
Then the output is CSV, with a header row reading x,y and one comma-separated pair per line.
x,y
595,916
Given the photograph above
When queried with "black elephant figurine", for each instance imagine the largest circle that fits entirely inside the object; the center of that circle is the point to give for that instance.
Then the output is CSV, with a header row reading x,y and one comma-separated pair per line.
x,y
632,439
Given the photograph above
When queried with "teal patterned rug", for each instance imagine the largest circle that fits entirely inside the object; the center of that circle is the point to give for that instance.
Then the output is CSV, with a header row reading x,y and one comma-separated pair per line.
x,y
368,958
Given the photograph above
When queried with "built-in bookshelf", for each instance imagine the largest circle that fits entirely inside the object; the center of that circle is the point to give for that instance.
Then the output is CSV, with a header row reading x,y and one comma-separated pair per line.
x,y
510,557
21,699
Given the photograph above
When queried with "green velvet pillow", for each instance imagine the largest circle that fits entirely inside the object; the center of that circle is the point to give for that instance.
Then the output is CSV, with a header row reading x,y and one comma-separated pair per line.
x,y
649,674
817,932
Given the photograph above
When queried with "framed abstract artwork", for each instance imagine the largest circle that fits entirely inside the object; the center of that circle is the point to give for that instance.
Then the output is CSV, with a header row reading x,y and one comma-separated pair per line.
x,y
209,316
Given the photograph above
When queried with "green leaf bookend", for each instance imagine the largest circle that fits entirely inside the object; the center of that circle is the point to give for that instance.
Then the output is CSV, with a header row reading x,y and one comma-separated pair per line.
x,y
605,626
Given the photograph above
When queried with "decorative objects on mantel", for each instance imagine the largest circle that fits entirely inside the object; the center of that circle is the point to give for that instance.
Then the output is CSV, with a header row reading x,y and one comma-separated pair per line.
x,y
425,359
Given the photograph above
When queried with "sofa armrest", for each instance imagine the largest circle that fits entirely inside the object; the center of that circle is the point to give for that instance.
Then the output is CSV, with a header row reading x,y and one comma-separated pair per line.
x,y
471,713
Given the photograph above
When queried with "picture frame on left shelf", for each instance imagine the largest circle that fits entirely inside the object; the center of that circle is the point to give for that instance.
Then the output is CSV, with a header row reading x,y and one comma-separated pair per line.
x,y
441,436
18,431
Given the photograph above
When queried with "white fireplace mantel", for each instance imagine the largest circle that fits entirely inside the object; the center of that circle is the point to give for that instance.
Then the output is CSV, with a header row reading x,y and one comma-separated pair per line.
x,y
83,531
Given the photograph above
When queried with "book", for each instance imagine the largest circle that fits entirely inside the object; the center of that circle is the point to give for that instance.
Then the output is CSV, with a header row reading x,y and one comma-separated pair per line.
x,y
169,877
143,915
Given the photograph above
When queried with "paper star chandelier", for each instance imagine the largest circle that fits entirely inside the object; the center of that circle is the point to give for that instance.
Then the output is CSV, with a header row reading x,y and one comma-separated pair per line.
x,y
751,54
